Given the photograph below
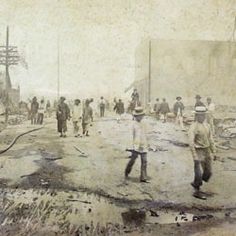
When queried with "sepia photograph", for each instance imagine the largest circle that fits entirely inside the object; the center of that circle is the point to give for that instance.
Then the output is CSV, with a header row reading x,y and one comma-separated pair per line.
x,y
118,117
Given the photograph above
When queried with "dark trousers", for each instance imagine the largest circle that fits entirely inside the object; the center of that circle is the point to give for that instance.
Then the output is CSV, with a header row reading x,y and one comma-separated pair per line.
x,y
40,118
33,118
202,167
102,111
143,175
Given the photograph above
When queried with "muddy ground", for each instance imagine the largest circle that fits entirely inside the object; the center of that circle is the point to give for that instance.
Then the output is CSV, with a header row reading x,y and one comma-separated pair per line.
x,y
75,186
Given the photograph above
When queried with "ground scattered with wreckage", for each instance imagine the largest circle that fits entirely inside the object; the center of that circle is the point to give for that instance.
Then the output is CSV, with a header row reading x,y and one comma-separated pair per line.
x,y
75,186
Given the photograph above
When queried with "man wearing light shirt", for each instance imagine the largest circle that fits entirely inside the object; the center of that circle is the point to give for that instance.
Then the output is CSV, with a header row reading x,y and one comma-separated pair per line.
x,y
77,117
140,145
202,147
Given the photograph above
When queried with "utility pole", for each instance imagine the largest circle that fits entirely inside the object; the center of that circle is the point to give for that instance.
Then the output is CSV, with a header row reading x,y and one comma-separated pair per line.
x,y
149,70
8,57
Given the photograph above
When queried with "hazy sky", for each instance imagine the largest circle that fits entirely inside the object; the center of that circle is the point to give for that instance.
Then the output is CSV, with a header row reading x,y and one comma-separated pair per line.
x,y
98,38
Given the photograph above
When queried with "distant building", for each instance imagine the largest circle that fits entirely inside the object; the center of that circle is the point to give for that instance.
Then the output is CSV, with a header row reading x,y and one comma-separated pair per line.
x,y
170,68
13,93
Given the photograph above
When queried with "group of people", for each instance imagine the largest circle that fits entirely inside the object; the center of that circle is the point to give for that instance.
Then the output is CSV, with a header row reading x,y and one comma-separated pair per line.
x,y
200,135
37,110
82,117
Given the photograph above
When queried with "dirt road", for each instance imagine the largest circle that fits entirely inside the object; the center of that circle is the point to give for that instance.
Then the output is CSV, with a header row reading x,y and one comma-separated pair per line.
x,y
49,174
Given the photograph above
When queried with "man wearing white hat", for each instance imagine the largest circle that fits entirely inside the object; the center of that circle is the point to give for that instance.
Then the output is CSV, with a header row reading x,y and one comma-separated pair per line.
x,y
140,145
202,147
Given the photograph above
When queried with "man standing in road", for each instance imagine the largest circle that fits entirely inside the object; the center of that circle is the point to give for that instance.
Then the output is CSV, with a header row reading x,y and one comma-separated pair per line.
x,y
76,117
140,146
156,109
178,111
210,115
135,97
120,109
202,147
102,105
63,114
164,109
34,111
41,112
87,117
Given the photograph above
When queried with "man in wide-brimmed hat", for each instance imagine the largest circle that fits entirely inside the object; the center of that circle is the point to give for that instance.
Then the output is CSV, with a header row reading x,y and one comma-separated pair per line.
x,y
178,111
140,146
63,114
202,147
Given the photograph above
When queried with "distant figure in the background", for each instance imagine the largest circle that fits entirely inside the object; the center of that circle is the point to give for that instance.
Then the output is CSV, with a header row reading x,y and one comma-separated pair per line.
x,y
178,111
164,109
119,109
48,108
199,103
94,107
210,114
41,112
135,97
63,114
87,117
34,111
102,106
29,109
76,117
156,109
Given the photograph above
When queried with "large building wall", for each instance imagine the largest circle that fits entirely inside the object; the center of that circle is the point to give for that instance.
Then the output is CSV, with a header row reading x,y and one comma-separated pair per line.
x,y
186,68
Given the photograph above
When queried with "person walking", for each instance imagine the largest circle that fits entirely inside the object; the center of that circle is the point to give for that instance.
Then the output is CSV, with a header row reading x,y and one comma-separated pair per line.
x,y
178,111
102,106
87,117
76,117
140,145
48,108
63,114
164,109
119,109
156,109
41,112
135,98
202,148
34,111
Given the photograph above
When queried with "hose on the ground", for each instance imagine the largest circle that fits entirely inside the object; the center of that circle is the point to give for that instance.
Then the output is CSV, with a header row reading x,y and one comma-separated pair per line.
x,y
16,138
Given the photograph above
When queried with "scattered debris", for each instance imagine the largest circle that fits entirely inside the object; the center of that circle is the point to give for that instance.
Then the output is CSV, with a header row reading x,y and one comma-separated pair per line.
x,y
83,154
52,159
153,213
134,217
77,200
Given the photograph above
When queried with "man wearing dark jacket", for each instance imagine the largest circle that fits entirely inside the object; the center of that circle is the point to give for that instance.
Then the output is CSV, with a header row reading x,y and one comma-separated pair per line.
x,y
119,108
34,111
164,109
63,114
